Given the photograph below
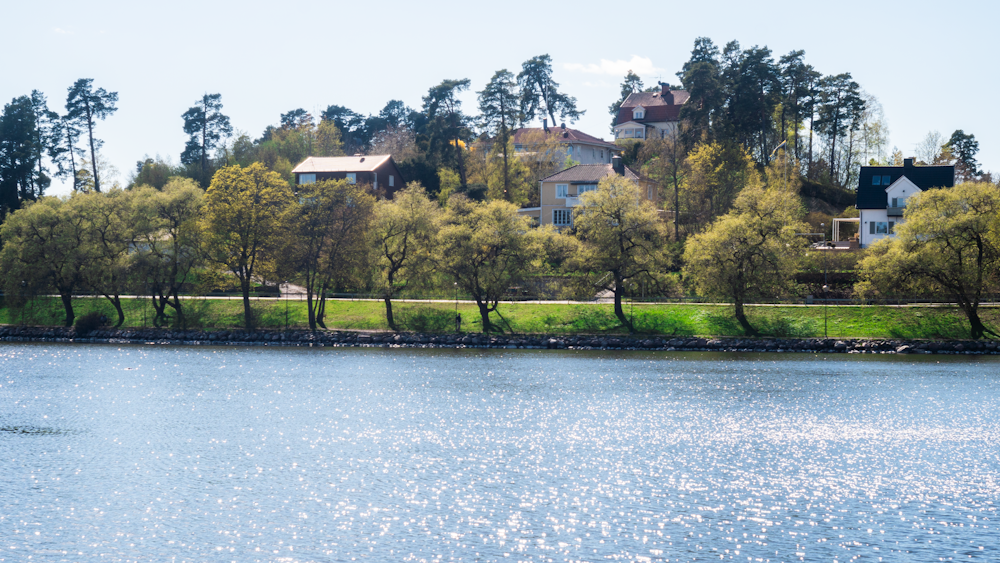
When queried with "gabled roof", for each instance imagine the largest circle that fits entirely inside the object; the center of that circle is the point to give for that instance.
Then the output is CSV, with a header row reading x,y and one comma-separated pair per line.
x,y
657,108
588,174
924,177
321,164
566,135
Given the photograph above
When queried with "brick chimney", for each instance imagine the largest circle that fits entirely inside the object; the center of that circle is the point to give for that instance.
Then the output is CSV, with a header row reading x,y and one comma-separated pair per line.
x,y
617,166
666,94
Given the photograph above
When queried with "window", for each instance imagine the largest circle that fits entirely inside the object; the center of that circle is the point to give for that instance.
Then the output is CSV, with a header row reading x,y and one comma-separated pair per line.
x,y
638,113
562,190
879,228
375,180
352,178
885,181
392,180
561,217
602,154
584,188
307,178
639,133
876,180
570,150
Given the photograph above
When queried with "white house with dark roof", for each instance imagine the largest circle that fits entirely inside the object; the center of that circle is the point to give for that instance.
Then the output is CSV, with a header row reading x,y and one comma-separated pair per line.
x,y
645,115
883,191
560,192
581,147
376,170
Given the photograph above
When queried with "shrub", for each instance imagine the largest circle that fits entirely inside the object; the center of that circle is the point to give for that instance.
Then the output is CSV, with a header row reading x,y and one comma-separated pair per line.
x,y
85,324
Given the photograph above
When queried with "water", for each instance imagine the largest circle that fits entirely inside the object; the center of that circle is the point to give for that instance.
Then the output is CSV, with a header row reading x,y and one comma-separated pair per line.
x,y
219,454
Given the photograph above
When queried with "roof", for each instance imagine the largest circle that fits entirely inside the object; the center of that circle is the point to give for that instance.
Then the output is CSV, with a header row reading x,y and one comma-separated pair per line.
x,y
566,135
924,177
366,163
588,174
657,109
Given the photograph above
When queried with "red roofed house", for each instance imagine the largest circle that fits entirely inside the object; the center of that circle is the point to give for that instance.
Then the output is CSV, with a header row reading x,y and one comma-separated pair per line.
x,y
580,146
376,170
645,115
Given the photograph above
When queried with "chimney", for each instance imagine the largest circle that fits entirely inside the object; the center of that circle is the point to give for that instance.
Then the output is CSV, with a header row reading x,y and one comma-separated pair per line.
x,y
908,162
666,94
545,125
617,166
563,125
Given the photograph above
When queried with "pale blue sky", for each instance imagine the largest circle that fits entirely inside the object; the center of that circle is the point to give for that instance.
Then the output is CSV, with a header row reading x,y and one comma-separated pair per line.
x,y
931,64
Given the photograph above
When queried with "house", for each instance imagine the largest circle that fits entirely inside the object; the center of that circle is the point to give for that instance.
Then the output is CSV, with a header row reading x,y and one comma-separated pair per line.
x,y
645,115
560,192
579,146
376,170
883,191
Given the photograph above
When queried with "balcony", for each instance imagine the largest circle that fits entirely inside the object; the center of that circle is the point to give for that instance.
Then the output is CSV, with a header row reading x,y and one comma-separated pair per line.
x,y
572,201
895,211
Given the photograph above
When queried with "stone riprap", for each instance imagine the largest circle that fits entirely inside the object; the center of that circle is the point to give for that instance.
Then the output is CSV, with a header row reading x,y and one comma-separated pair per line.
x,y
305,338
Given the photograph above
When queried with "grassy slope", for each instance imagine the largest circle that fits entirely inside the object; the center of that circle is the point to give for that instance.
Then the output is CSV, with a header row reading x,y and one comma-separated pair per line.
x,y
681,320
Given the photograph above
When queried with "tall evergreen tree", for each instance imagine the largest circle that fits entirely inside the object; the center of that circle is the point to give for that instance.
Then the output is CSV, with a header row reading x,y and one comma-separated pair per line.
x,y
84,107
540,93
447,126
500,113
17,154
797,79
630,84
963,147
840,104
206,126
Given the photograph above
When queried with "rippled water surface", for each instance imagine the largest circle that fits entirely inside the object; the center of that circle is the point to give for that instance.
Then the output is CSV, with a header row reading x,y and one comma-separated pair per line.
x,y
220,454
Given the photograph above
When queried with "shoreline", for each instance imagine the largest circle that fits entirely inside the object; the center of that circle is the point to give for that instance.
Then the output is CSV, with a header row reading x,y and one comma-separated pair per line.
x,y
323,339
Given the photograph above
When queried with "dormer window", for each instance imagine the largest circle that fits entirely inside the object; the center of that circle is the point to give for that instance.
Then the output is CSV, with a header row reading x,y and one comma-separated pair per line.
x,y
639,113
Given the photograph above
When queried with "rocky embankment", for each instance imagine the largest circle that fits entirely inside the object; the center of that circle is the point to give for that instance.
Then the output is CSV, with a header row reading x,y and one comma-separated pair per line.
x,y
304,338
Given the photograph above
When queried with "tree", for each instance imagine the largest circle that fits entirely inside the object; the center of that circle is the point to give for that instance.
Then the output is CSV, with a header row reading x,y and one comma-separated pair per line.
x,y
500,113
447,128
151,172
401,237
703,81
17,155
929,148
205,126
949,241
664,160
325,243
242,207
749,253
487,248
622,236
840,105
797,80
540,93
399,141
717,173
108,238
507,179
296,119
630,84
328,140
168,242
44,248
753,92
351,125
963,148
84,106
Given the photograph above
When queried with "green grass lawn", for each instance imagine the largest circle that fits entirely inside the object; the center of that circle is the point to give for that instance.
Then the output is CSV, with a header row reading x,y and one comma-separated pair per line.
x,y
545,318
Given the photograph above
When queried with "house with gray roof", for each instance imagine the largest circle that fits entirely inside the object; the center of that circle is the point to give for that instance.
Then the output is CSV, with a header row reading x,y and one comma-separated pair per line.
x,y
560,193
377,171
883,191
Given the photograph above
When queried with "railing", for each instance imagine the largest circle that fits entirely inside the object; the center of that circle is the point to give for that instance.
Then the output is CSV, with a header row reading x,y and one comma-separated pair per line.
x,y
572,201
895,211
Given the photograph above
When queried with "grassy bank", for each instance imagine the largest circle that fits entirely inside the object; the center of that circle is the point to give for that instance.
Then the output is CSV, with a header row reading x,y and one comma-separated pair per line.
x,y
680,320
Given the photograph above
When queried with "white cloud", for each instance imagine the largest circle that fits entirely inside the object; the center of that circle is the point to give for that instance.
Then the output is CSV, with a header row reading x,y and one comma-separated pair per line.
x,y
643,66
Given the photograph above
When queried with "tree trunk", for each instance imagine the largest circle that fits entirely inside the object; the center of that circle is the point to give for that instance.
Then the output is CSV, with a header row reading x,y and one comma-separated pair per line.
x,y
93,151
310,305
160,306
67,301
741,316
247,312
388,314
116,302
619,312
484,313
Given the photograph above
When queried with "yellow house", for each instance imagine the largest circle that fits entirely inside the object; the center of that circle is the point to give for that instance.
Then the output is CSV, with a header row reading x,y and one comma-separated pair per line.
x,y
560,192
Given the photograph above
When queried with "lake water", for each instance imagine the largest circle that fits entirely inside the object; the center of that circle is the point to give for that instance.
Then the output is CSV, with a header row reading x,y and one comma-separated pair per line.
x,y
221,454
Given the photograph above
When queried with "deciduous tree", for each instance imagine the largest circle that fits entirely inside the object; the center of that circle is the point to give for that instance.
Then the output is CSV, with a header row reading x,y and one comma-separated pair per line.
x,y
751,252
401,237
487,248
242,207
948,242
622,236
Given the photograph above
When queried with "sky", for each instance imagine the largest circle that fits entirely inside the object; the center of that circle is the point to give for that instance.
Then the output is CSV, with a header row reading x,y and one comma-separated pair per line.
x,y
931,65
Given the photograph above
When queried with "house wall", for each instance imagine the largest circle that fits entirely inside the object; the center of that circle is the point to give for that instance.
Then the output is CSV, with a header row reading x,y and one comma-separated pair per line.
x,y
550,203
378,179
585,153
869,216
